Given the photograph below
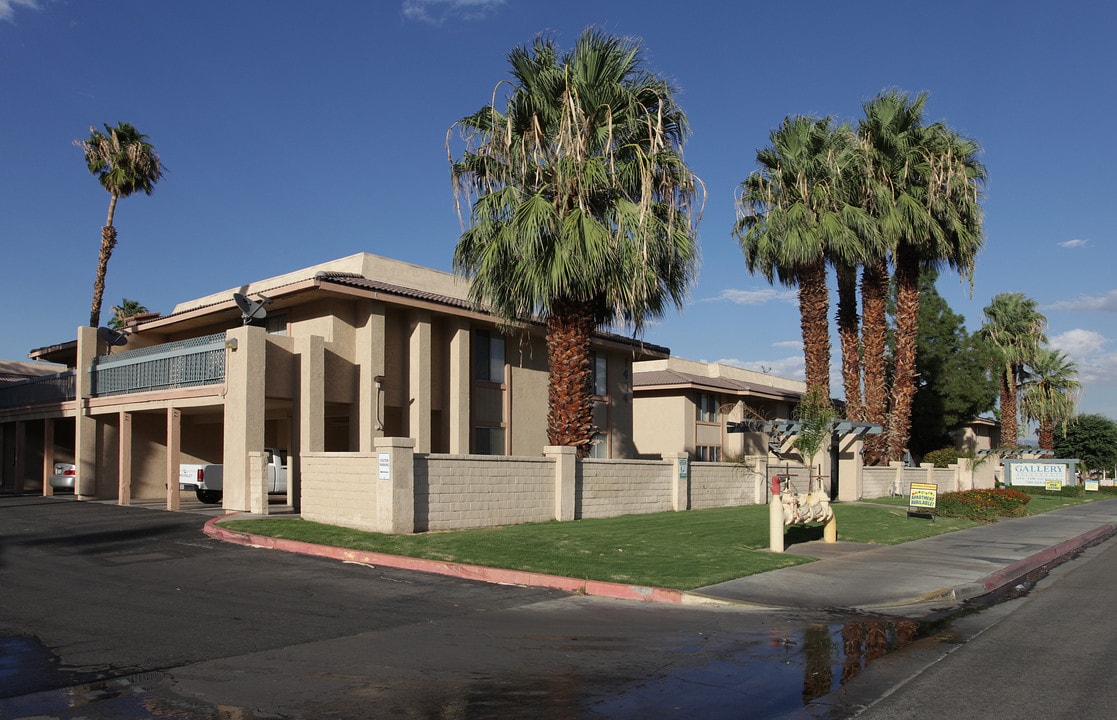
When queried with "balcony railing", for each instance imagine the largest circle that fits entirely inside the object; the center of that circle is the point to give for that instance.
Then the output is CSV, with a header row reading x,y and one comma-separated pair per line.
x,y
38,391
180,364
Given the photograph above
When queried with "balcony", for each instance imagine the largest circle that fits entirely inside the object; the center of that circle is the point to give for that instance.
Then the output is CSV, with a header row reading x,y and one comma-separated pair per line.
x,y
181,364
39,391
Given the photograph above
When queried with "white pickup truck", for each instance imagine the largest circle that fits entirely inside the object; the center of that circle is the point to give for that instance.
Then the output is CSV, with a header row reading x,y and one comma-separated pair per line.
x,y
206,480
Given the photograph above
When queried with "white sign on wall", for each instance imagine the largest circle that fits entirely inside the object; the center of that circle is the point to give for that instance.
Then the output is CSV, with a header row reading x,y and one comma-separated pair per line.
x,y
384,463
1036,473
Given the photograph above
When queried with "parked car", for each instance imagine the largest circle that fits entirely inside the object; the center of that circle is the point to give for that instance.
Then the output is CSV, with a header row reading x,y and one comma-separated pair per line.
x,y
64,478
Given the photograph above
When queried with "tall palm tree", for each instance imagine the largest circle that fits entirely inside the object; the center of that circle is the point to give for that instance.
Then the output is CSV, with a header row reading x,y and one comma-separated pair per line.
x,y
581,206
1016,329
124,162
924,185
1050,393
793,217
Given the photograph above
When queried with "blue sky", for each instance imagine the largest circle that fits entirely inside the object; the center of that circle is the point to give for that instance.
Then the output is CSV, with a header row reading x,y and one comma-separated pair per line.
x,y
298,132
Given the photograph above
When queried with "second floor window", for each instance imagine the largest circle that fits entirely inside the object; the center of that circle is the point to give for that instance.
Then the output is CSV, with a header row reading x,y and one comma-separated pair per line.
x,y
707,408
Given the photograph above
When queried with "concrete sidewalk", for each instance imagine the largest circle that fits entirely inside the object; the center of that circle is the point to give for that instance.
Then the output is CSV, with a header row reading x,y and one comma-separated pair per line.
x,y
918,578
939,572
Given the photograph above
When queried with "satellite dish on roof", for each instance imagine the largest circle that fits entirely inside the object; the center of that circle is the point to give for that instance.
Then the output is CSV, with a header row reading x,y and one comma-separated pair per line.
x,y
250,309
112,338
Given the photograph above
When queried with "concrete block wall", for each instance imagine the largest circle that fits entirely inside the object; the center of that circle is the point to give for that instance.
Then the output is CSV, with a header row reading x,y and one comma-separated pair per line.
x,y
607,488
340,489
464,491
714,485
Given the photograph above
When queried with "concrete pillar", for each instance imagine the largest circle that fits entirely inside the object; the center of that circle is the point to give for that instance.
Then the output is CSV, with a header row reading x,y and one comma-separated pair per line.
x,y
775,524
174,456
566,471
258,482
419,381
21,455
460,385
124,460
897,477
48,455
245,371
85,426
850,467
395,485
371,365
680,479
309,427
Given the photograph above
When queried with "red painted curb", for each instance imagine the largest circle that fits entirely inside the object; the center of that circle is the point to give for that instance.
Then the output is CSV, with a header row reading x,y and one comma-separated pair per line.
x,y
1018,570
496,576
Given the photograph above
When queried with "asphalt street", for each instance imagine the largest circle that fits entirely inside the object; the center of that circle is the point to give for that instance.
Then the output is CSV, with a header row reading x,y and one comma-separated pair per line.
x,y
124,612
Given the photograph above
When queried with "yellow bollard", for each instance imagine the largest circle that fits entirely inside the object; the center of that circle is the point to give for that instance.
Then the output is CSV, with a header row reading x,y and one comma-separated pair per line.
x,y
830,530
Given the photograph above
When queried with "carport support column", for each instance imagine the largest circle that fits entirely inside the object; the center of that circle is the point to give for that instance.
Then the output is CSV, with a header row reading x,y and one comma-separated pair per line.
x,y
680,479
395,485
85,426
124,452
566,473
48,454
174,454
245,364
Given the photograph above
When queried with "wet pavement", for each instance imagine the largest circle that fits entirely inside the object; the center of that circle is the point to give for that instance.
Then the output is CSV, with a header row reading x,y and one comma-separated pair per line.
x,y
771,647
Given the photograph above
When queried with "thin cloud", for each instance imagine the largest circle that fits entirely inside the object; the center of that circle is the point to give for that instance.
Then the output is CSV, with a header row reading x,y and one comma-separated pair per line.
x,y
1103,303
437,12
789,367
1074,243
1091,352
8,8
757,297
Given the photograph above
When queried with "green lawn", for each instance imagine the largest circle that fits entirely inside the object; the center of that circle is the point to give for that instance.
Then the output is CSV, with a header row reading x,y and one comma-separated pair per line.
x,y
680,550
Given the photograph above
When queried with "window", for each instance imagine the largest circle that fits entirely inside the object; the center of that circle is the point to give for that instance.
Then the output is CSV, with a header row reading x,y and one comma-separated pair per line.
x,y
600,377
276,324
707,408
599,446
707,453
487,394
488,356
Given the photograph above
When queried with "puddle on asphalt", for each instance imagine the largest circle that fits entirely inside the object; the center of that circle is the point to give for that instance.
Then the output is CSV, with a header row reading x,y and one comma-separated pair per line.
x,y
764,675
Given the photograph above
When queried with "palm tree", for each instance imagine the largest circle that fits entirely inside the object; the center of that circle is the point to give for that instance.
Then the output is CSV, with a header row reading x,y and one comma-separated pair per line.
x,y
924,186
793,217
126,309
581,207
124,162
1050,393
1015,328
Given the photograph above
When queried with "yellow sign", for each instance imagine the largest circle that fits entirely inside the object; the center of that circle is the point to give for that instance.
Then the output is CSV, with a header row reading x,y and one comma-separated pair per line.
x,y
1054,485
924,495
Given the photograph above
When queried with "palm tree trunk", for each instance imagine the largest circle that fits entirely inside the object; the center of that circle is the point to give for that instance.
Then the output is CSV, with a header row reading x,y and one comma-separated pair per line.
x,y
848,327
814,311
108,242
1046,434
904,369
874,328
1010,434
570,328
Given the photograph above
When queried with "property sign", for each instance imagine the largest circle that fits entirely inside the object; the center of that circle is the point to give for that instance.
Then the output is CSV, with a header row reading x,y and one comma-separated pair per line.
x,y
924,496
1053,485
384,464
1036,473
1091,486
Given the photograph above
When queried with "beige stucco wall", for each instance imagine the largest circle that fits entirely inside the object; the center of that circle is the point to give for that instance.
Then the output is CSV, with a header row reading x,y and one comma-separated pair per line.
x,y
659,424
715,485
340,489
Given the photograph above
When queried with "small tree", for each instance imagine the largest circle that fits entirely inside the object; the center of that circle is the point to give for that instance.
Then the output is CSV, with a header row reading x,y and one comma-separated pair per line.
x,y
125,310
816,418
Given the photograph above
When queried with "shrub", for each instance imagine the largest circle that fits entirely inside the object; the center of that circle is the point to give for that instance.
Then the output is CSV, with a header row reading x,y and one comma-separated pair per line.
x,y
945,457
983,505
